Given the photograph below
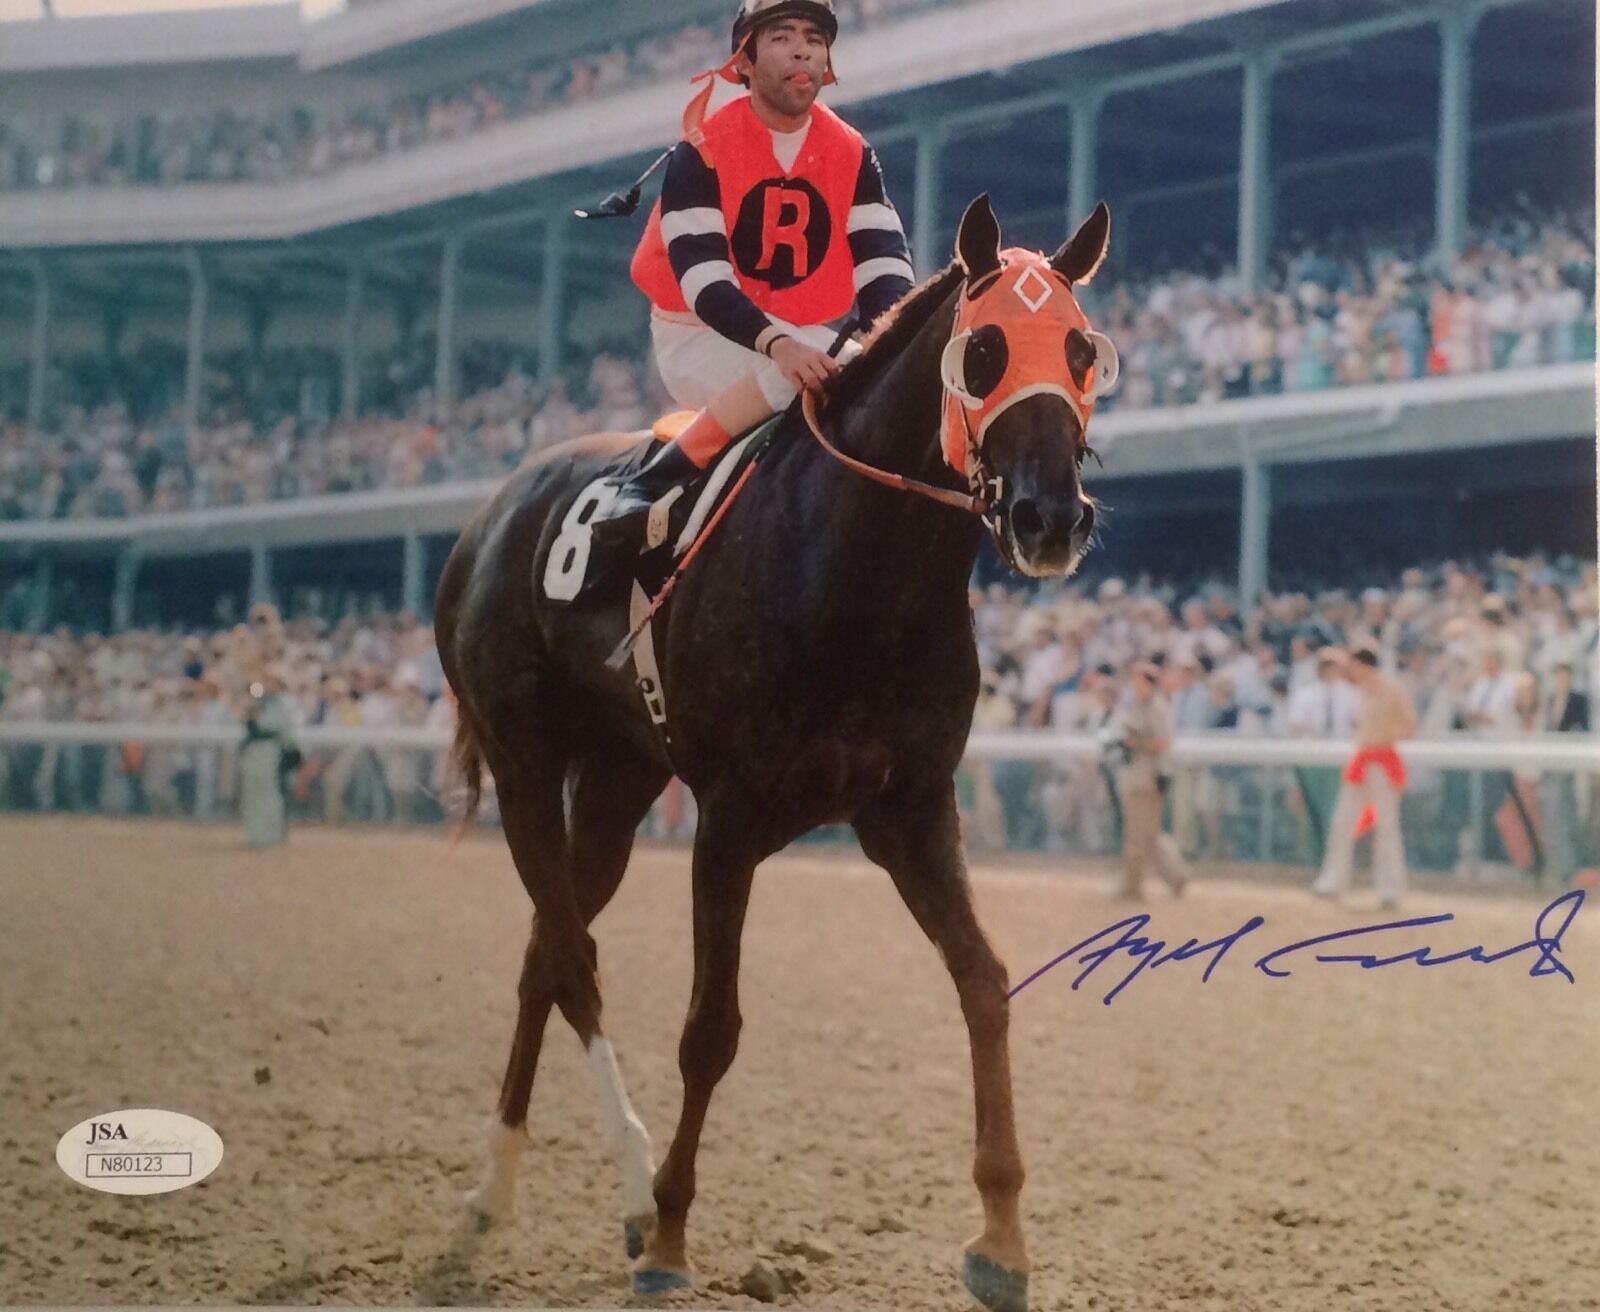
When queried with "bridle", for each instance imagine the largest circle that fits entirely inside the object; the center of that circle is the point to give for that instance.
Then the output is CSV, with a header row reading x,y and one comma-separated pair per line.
x,y
974,505
1035,285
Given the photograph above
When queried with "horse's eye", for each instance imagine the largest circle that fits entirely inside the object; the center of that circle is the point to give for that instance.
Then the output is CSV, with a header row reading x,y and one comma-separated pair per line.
x,y
986,359
1080,357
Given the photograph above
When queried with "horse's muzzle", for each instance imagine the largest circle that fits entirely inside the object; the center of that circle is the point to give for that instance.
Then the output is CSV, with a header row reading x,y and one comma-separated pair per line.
x,y
1048,538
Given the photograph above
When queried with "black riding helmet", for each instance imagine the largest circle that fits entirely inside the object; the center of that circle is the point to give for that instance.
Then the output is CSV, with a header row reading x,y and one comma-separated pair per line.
x,y
755,14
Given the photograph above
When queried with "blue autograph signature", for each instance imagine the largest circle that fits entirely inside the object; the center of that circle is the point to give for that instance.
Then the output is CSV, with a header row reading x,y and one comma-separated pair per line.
x,y
1127,936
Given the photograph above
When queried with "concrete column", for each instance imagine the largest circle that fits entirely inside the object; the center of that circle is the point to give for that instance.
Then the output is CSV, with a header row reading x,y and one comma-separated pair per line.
x,y
194,375
1255,169
39,603
1083,184
350,343
553,295
39,352
444,368
114,322
926,254
260,573
258,323
1083,174
127,578
411,598
1452,160
1255,524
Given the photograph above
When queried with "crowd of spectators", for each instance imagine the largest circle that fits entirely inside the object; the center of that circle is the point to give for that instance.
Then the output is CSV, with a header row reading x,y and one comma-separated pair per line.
x,y
1520,294
382,672
176,146
1361,307
1045,653
1490,648
101,463
1486,647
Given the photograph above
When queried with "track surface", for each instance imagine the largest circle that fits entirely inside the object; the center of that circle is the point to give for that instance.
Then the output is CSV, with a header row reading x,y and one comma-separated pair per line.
x,y
1344,1139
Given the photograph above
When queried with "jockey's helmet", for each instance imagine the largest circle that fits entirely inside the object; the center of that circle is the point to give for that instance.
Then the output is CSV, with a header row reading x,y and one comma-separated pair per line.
x,y
756,14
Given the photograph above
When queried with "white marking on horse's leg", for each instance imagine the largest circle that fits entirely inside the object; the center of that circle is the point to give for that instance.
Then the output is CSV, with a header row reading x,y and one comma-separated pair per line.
x,y
626,1136
493,1199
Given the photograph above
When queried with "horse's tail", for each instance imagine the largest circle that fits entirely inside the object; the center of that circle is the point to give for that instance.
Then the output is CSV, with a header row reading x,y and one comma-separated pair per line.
x,y
467,757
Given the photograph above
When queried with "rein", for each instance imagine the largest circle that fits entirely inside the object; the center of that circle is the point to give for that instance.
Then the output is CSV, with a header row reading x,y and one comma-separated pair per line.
x,y
899,482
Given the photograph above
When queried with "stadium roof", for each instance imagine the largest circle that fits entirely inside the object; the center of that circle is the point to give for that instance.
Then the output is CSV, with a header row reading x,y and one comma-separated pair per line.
x,y
997,81
277,31
270,31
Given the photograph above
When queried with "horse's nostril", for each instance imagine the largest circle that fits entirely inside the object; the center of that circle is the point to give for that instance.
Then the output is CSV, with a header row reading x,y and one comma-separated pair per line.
x,y
1026,521
1086,523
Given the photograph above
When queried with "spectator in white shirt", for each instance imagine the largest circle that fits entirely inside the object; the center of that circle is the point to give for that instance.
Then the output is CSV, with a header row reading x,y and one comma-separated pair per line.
x,y
1302,663
1045,663
1327,708
1491,700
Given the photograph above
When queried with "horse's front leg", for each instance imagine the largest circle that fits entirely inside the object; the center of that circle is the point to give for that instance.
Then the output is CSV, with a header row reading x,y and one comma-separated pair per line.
x,y
917,839
725,859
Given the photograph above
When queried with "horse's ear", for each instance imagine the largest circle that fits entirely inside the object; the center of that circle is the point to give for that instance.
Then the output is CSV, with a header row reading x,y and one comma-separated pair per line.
x,y
1080,256
978,240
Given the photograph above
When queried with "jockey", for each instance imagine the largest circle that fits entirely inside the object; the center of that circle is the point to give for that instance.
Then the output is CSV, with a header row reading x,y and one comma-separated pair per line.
x,y
772,220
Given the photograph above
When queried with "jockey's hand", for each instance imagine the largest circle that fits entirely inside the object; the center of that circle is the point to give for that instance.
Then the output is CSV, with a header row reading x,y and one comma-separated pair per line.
x,y
803,367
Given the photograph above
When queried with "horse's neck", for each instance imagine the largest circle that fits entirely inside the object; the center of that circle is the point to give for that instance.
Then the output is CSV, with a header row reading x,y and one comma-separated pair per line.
x,y
895,422
921,549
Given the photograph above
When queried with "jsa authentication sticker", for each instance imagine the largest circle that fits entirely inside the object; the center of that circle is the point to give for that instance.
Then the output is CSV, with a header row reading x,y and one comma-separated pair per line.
x,y
140,1150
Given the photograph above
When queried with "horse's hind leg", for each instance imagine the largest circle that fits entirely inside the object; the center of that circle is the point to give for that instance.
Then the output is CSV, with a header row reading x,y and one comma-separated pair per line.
x,y
612,791
917,840
535,828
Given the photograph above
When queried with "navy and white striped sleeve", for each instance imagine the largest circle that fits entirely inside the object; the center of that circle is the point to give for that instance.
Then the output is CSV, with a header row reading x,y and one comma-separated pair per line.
x,y
877,244
697,249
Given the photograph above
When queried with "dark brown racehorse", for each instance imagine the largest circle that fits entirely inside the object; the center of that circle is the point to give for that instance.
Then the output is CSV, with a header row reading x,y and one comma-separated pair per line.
x,y
820,668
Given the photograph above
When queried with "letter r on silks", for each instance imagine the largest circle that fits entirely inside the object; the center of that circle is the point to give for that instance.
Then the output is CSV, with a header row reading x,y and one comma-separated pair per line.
x,y
785,216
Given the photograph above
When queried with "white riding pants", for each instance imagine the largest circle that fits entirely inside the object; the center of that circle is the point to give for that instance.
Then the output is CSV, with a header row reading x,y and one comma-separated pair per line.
x,y
697,363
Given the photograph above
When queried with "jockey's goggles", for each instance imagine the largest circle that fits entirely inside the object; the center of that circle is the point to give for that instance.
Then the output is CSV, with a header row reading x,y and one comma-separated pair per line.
x,y
1020,334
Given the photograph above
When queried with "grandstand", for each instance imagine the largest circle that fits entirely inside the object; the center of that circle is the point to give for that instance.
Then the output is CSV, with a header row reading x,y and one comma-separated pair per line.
x,y
288,289
253,230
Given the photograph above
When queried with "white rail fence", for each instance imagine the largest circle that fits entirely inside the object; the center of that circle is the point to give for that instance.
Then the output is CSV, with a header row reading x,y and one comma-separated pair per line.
x,y
382,773
1570,753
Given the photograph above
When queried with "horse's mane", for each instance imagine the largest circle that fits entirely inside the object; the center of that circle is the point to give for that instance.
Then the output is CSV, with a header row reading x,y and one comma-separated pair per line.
x,y
891,334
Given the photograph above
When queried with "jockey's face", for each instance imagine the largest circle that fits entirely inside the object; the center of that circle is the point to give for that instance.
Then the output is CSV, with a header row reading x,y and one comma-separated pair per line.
x,y
786,66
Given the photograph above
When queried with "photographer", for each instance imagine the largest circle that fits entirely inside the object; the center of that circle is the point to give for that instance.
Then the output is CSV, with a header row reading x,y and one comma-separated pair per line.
x,y
266,758
1141,737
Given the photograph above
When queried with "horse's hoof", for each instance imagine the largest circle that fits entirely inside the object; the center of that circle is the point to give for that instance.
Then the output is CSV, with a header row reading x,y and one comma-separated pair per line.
x,y
659,1282
484,1211
996,1287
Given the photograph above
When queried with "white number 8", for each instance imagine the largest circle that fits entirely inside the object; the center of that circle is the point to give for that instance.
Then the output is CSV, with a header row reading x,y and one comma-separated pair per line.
x,y
569,553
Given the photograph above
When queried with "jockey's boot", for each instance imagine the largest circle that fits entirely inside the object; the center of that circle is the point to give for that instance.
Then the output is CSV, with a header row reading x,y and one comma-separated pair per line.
x,y
623,520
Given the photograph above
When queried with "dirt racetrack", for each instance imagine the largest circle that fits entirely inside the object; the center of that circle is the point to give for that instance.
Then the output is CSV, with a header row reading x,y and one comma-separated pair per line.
x,y
339,1010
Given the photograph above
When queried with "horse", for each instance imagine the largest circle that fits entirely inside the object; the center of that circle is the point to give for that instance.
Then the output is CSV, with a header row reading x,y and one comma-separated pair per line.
x,y
822,669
